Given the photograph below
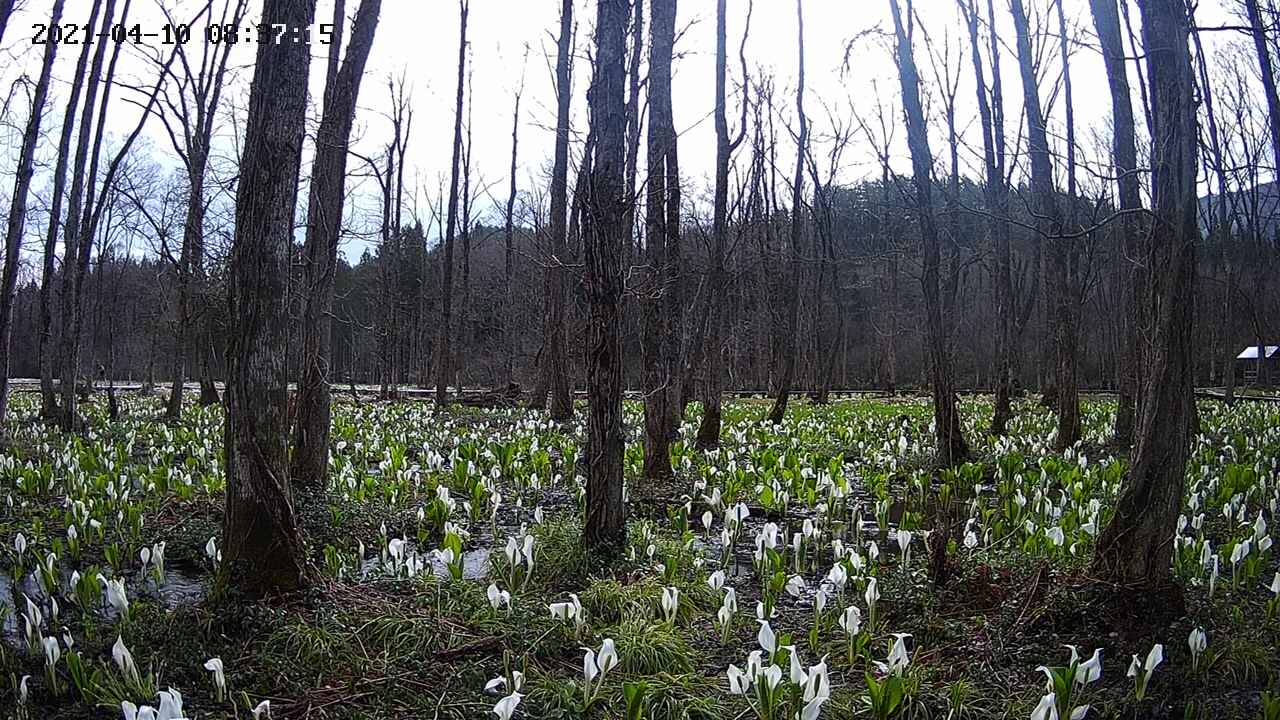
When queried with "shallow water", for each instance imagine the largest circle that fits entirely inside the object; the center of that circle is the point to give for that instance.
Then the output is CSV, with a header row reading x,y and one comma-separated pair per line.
x,y
180,589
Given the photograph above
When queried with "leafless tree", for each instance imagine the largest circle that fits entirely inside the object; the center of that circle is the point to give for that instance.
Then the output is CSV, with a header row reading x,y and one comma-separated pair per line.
x,y
555,363
604,225
713,374
661,302
951,446
262,542
18,205
189,120
1135,550
324,223
1106,21
444,357
787,349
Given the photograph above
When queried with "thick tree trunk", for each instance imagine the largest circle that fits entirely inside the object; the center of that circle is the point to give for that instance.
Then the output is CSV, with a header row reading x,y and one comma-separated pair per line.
x,y
604,226
951,446
444,353
661,304
324,225
787,349
1106,21
555,353
18,205
1136,548
262,543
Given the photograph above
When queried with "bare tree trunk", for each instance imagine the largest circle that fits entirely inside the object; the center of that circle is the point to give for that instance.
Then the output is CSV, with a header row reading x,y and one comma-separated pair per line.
x,y
444,355
787,351
73,240
554,355
951,446
1267,74
263,547
465,326
991,111
635,118
203,83
713,372
508,322
661,305
1136,549
310,460
604,225
18,205
1071,290
1124,150
1049,226
49,401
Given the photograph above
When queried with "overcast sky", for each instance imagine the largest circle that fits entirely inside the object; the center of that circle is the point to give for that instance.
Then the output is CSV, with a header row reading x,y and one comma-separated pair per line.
x,y
419,39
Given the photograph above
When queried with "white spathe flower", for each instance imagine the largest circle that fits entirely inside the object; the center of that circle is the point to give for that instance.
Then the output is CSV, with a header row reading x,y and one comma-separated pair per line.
x,y
1090,670
739,682
597,664
262,709
52,652
797,673
170,705
872,595
795,585
505,708
716,580
498,598
124,659
1154,657
1197,641
1046,709
772,676
768,641
670,602
117,597
851,620
898,659
214,665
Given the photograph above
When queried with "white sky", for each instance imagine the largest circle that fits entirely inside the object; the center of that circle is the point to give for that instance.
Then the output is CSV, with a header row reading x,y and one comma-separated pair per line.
x,y
419,39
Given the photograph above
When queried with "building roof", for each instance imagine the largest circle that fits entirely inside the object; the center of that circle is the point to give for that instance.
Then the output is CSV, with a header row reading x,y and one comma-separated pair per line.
x,y
1251,352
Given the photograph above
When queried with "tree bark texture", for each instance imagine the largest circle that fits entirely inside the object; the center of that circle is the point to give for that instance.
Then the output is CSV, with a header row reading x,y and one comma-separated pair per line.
x,y
324,225
18,204
791,294
951,446
1136,548
661,306
262,543
604,225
